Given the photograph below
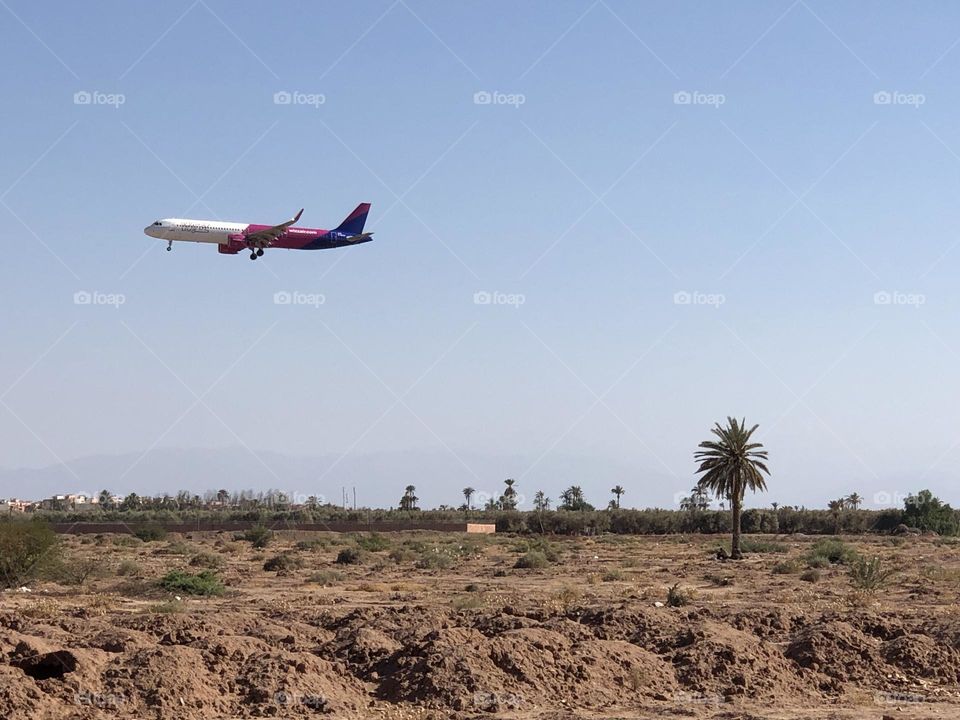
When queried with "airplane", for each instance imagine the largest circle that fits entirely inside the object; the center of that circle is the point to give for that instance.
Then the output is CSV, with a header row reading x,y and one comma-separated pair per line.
x,y
233,237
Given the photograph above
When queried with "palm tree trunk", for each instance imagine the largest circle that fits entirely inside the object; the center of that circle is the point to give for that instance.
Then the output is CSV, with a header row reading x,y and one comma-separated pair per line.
x,y
735,506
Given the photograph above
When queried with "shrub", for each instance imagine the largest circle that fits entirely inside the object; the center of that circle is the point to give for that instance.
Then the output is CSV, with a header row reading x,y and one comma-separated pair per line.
x,y
325,577
752,545
150,533
74,570
316,544
207,560
676,597
205,582
786,567
833,549
374,542
283,561
258,536
349,556
25,549
869,574
810,575
543,546
434,560
402,554
532,559
128,567
817,562
613,575
469,602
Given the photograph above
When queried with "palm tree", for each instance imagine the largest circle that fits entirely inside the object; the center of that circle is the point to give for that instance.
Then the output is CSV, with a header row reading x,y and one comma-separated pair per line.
x,y
540,501
468,495
836,508
617,490
409,499
508,501
105,500
854,500
732,464
222,496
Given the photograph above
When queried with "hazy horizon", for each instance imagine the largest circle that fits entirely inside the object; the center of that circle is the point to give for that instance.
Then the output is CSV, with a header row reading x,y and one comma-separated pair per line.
x,y
599,228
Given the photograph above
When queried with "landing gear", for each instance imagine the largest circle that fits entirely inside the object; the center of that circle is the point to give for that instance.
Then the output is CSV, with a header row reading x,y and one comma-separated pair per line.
x,y
259,252
169,245
253,254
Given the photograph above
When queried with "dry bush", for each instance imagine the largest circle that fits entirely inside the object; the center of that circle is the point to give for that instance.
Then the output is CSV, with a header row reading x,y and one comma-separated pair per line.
x,y
284,562
678,597
41,609
869,575
325,577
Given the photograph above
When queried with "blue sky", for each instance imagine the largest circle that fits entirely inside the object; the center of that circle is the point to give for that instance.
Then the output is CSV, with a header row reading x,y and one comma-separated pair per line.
x,y
791,169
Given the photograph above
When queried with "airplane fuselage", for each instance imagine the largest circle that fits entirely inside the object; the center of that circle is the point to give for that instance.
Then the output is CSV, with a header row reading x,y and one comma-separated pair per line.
x,y
232,234
231,237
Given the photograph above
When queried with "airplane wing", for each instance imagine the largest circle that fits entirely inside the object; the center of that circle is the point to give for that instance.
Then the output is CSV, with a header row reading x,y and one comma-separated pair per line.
x,y
265,237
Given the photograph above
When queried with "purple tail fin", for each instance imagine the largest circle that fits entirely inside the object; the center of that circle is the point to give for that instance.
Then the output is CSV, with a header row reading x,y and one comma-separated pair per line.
x,y
353,225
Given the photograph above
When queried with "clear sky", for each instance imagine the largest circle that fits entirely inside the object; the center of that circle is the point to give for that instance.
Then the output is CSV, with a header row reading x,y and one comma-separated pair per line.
x,y
789,169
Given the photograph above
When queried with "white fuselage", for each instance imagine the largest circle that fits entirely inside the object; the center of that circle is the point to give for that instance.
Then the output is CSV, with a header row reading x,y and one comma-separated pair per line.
x,y
209,231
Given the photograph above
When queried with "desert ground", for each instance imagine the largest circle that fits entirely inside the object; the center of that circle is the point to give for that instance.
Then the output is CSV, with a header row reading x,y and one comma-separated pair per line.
x,y
429,625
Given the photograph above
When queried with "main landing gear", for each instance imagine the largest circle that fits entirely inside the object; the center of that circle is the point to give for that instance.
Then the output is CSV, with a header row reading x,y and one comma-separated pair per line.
x,y
169,245
254,254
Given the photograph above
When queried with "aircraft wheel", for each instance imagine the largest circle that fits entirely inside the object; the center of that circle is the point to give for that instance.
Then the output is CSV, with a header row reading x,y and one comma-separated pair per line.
x,y
253,256
259,252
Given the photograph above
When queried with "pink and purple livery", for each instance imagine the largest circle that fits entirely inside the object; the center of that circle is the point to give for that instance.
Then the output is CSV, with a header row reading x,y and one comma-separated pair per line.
x,y
232,237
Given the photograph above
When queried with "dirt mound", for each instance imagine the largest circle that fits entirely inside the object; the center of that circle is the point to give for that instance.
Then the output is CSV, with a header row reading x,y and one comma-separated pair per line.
x,y
717,659
162,681
922,656
839,651
463,669
280,682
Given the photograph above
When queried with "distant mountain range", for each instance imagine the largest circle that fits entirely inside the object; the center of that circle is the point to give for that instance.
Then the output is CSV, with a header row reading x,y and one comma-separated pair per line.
x,y
379,478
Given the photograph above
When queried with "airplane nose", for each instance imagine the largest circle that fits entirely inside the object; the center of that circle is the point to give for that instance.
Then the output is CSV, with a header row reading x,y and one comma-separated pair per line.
x,y
148,230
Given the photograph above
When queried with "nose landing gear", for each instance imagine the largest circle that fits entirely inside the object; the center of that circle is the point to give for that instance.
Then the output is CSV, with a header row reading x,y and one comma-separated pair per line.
x,y
169,245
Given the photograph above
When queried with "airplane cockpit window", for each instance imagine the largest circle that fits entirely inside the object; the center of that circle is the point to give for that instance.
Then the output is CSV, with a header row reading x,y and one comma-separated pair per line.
x,y
158,223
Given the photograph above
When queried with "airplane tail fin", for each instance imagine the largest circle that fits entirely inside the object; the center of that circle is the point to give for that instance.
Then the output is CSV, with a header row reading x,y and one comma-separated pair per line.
x,y
355,221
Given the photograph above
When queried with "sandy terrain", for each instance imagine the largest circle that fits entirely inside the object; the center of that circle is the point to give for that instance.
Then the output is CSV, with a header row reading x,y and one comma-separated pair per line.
x,y
448,627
